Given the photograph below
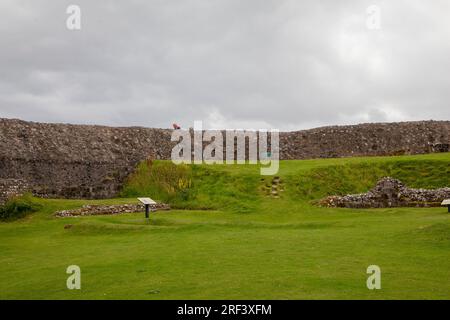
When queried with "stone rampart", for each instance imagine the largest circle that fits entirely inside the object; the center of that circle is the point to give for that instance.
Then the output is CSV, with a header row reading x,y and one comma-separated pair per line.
x,y
86,161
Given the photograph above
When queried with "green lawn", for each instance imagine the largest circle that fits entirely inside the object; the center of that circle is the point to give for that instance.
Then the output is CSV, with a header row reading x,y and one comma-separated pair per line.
x,y
242,244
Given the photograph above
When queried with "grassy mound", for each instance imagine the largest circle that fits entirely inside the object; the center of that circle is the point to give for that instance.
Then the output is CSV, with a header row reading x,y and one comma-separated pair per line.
x,y
242,188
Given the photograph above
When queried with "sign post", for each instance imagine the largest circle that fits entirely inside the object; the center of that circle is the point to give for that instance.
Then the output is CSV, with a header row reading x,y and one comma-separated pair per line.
x,y
147,202
446,203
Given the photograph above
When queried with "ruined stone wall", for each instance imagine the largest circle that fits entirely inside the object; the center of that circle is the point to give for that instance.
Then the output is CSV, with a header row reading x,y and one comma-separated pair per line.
x,y
378,139
389,193
10,188
75,161
81,161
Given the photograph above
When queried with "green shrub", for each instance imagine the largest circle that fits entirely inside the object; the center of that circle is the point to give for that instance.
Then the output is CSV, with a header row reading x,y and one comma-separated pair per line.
x,y
18,207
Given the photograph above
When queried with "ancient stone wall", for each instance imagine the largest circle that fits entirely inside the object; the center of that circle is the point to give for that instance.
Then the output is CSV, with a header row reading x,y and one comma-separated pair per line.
x,y
82,161
378,139
75,161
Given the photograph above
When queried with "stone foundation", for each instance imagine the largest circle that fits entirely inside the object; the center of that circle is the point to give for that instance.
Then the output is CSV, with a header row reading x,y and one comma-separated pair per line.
x,y
94,210
389,193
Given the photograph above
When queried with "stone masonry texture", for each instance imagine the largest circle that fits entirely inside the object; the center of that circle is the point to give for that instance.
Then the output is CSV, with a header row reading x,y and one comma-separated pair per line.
x,y
87,161
10,188
93,210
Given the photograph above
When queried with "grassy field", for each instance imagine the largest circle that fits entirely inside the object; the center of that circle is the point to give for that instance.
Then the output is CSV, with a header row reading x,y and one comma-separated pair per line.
x,y
227,239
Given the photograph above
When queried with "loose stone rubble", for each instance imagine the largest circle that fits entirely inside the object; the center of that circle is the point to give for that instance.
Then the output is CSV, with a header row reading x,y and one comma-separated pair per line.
x,y
93,210
388,193
272,187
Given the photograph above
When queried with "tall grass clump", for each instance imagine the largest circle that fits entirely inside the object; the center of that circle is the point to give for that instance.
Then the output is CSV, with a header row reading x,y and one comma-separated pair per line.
x,y
162,180
193,186
18,207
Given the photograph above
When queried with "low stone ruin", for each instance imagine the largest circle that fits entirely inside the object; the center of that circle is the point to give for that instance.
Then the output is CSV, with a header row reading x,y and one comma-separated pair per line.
x,y
388,193
94,210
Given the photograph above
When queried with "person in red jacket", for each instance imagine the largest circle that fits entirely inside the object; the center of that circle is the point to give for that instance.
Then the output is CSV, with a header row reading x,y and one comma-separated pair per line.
x,y
176,127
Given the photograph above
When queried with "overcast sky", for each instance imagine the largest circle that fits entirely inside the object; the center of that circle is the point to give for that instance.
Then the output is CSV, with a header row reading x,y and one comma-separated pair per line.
x,y
285,64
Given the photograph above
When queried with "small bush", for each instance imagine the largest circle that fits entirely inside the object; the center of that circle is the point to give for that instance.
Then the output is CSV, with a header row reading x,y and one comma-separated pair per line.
x,y
18,207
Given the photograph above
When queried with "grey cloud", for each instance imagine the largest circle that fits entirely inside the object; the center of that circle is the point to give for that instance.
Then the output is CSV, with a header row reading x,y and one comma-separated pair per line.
x,y
283,64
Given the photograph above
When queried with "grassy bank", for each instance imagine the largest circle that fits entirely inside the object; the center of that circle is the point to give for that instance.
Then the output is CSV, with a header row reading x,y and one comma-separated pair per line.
x,y
239,188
